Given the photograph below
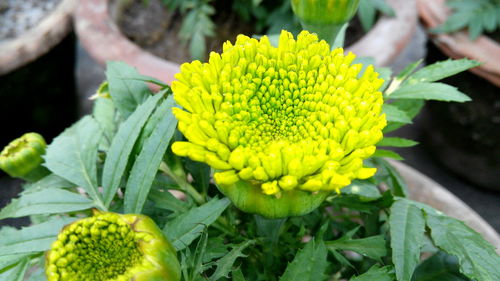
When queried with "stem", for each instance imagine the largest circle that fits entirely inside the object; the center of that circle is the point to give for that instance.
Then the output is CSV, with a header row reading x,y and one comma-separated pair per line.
x,y
183,184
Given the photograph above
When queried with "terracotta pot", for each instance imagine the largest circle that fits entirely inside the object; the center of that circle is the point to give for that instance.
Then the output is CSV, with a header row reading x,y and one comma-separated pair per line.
x,y
425,190
102,39
458,45
37,41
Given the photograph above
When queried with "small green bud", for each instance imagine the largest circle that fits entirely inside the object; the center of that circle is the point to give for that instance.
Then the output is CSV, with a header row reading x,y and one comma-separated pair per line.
x,y
318,12
22,158
324,17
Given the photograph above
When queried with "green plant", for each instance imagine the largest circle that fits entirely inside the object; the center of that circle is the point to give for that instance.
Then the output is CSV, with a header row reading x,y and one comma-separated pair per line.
x,y
119,159
475,15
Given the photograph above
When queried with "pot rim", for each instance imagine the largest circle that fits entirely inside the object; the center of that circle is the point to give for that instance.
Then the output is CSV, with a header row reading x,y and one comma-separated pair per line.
x,y
102,39
458,45
40,39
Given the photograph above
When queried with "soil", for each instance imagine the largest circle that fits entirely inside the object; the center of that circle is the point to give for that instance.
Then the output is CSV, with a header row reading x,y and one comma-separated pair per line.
x,y
18,16
151,26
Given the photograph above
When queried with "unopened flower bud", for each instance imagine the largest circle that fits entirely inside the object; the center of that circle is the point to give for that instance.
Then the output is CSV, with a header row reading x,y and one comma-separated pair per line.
x,y
22,158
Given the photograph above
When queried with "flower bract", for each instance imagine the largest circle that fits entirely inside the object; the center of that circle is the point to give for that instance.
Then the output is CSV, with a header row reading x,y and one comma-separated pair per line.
x,y
293,118
111,246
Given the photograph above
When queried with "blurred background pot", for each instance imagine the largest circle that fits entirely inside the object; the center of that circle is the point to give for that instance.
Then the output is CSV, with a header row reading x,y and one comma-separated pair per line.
x,y
36,68
464,137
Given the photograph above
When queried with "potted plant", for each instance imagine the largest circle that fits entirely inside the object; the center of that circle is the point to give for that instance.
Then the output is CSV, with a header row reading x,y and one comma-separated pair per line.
x,y
266,163
456,31
101,37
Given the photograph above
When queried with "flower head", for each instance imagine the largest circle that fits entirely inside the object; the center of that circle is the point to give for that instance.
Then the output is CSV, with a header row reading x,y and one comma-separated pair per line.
x,y
297,117
23,156
110,246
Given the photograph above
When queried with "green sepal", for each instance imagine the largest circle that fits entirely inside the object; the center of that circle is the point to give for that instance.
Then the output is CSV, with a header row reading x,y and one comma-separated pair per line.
x,y
249,198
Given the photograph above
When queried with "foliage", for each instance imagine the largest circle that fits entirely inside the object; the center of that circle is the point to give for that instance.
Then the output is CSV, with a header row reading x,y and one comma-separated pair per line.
x,y
380,237
477,16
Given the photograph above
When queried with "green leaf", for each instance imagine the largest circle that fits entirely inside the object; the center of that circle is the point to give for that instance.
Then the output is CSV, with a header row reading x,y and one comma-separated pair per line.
x,y
366,191
73,156
147,163
45,201
379,153
10,260
394,114
309,263
408,70
50,181
429,91
407,228
122,145
373,247
165,200
376,273
125,92
385,8
216,248
15,273
186,227
147,79
341,259
410,107
225,264
478,259
196,260
440,70
396,182
238,275
396,142
36,238
438,268
366,14
104,114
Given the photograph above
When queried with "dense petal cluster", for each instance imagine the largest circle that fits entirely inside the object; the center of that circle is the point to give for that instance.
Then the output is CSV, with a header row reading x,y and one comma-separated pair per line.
x,y
115,247
294,117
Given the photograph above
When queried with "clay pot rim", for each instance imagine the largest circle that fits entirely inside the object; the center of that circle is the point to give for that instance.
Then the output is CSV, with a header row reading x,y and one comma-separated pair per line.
x,y
103,40
458,45
37,41
425,190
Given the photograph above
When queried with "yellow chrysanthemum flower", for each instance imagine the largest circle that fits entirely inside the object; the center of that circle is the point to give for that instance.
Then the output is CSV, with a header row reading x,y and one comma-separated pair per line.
x,y
297,117
112,247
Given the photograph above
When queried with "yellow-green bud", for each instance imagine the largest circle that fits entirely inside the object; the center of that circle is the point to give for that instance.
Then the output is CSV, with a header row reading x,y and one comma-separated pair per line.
x,y
22,158
324,17
112,247
324,11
